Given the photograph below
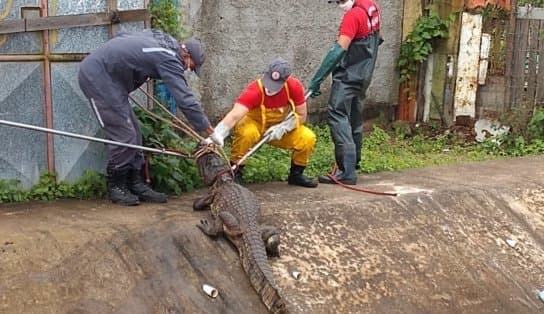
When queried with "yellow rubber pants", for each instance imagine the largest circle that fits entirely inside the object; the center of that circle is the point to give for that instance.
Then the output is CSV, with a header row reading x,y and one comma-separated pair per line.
x,y
249,130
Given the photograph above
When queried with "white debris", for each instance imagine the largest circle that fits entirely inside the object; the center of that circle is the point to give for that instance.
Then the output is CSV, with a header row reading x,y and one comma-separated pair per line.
x,y
487,128
296,275
210,291
512,243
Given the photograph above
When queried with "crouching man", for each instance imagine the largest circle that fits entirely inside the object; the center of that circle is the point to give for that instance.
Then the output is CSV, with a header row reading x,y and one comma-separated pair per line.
x,y
261,110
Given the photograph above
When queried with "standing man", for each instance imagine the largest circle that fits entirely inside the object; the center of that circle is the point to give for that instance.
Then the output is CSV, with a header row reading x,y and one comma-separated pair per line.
x,y
351,60
261,110
120,66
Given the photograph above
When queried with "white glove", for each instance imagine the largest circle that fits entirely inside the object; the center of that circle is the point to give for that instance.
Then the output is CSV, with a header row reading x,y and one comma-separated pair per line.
x,y
276,132
221,131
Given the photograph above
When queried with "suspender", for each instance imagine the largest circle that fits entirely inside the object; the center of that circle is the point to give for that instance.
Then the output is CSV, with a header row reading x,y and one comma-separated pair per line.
x,y
263,108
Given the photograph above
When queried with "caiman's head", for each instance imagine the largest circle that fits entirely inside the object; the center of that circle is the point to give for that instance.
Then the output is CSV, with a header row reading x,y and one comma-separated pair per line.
x,y
212,167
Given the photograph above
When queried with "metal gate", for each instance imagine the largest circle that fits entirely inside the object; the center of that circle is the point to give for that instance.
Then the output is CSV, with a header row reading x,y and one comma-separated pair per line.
x,y
41,44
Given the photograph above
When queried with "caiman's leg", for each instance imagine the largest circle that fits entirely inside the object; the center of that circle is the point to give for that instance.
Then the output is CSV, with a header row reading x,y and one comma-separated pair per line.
x,y
271,239
203,203
215,227
231,223
211,227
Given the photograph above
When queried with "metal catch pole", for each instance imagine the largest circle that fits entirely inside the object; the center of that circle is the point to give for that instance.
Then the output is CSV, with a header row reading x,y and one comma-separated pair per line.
x,y
90,138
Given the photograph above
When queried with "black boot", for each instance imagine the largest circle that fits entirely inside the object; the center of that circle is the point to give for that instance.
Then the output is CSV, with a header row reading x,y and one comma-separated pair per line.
x,y
337,176
143,191
346,157
117,188
296,177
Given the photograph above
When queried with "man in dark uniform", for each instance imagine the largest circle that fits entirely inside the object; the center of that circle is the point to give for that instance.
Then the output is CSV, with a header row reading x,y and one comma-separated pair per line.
x,y
120,66
351,61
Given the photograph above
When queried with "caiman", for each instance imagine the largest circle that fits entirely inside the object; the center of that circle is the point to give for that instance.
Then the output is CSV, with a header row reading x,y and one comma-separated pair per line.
x,y
235,213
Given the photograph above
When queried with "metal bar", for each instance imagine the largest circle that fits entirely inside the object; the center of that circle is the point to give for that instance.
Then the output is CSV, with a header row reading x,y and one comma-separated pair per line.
x,y
112,7
90,138
68,21
48,95
72,57
20,58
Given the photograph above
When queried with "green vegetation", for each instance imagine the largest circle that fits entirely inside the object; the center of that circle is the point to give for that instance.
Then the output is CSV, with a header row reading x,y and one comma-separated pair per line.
x,y
90,185
385,148
166,16
395,149
418,45
534,3
169,174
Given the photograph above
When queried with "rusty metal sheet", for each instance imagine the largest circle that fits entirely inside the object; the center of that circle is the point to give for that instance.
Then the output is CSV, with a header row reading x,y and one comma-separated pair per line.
x,y
468,65
484,55
503,4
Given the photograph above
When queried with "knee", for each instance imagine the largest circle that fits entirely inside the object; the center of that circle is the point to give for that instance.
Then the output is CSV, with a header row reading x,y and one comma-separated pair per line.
x,y
247,132
306,140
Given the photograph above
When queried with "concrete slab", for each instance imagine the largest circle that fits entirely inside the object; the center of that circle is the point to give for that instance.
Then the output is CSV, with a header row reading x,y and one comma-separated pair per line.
x,y
461,239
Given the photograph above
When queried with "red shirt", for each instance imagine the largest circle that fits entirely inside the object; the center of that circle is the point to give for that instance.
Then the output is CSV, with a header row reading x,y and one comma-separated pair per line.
x,y
251,97
362,20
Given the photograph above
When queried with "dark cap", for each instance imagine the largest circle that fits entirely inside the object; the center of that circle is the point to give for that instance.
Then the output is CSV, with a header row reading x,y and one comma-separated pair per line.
x,y
276,75
195,49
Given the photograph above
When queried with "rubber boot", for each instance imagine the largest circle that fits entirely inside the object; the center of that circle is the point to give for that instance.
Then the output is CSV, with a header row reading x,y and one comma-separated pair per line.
x,y
296,177
144,193
358,139
345,171
118,190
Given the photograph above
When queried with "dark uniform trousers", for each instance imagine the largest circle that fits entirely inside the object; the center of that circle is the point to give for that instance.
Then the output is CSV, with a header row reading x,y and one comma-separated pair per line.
x,y
351,79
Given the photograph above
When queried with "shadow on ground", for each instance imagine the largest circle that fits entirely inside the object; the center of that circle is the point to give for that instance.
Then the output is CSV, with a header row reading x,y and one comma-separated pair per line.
x,y
460,239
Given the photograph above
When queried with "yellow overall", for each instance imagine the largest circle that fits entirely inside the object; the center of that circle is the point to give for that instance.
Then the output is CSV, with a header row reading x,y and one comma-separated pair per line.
x,y
251,127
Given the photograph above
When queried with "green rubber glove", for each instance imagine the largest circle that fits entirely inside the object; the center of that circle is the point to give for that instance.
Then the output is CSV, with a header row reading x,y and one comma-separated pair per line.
x,y
332,58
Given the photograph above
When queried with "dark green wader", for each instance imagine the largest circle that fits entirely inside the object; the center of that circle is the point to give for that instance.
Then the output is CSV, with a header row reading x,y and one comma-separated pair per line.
x,y
350,80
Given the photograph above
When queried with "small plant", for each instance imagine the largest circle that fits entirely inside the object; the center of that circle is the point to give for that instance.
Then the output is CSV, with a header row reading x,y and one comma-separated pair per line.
x,y
525,139
90,185
418,45
166,17
11,191
535,129
169,174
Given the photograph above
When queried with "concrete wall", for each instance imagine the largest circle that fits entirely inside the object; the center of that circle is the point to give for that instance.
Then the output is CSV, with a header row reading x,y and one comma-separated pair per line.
x,y
243,36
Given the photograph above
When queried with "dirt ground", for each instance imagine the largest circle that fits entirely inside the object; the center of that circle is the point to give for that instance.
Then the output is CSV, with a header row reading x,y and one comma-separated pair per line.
x,y
459,239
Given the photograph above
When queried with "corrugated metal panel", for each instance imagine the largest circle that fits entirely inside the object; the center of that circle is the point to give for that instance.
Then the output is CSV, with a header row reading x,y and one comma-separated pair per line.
x,y
23,153
131,4
78,39
72,113
25,43
504,4
468,65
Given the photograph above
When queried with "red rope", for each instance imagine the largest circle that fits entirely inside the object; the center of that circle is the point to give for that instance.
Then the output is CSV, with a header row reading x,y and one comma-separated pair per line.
x,y
359,189
330,176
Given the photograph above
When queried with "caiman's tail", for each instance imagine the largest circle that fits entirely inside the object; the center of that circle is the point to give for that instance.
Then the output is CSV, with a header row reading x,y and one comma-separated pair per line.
x,y
255,264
